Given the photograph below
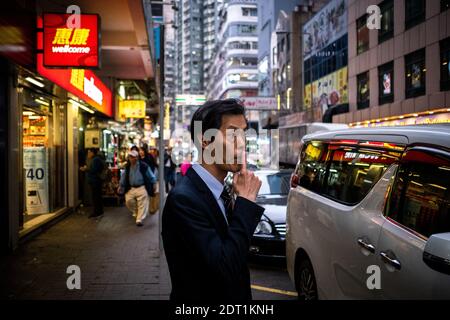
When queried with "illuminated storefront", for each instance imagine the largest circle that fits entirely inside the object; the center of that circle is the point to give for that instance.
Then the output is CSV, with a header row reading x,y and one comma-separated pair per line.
x,y
47,111
437,116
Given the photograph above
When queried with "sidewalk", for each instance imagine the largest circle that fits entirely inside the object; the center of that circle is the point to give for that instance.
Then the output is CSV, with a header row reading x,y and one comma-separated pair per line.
x,y
118,260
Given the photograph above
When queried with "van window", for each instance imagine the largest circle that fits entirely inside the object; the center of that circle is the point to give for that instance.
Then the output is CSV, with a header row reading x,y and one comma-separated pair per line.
x,y
312,167
353,173
420,198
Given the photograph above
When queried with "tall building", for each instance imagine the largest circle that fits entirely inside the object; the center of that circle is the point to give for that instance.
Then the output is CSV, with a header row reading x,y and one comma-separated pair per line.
x,y
268,11
189,47
169,52
285,49
209,36
234,69
399,74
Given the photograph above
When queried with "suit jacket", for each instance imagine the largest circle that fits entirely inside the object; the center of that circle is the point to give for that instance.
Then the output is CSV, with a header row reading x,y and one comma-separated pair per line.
x,y
207,258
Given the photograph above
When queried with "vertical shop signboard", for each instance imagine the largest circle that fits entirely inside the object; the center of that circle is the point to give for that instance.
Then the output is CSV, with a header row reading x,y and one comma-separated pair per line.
x,y
36,177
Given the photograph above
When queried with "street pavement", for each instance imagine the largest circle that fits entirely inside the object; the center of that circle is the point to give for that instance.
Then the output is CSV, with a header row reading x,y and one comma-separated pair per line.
x,y
117,260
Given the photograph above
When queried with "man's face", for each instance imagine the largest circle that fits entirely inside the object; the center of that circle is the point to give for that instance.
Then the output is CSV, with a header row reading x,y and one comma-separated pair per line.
x,y
133,160
232,139
90,154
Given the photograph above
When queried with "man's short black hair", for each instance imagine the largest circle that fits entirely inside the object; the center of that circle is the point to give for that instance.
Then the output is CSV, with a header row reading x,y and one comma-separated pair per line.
x,y
93,150
211,113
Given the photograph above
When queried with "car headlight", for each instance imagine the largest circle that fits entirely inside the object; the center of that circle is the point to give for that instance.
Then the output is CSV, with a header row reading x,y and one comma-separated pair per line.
x,y
263,227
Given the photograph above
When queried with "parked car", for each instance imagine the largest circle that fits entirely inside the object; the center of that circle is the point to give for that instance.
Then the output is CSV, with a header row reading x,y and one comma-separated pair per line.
x,y
368,214
269,237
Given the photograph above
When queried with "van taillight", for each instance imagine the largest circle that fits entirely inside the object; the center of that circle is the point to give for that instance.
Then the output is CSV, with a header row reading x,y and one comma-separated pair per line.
x,y
294,180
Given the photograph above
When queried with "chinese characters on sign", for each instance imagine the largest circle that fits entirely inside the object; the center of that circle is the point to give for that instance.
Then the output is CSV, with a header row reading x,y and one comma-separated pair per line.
x,y
66,47
131,109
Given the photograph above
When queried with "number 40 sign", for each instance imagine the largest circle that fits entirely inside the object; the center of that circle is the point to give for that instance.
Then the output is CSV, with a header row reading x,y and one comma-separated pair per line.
x,y
36,186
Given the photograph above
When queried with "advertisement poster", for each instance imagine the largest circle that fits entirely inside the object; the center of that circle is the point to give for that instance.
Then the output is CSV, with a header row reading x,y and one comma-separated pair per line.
x,y
328,25
36,177
329,91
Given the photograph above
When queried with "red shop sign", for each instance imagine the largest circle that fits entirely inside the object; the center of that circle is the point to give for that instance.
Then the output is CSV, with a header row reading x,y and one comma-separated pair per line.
x,y
71,47
84,84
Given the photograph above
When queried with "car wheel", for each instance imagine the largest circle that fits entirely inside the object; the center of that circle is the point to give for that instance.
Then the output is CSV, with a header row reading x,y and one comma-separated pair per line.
x,y
306,282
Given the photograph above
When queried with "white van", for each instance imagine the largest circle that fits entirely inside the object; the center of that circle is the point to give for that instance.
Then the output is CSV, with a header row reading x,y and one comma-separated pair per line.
x,y
368,214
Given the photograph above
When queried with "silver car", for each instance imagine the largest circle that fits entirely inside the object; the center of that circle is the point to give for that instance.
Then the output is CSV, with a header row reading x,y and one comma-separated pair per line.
x,y
368,214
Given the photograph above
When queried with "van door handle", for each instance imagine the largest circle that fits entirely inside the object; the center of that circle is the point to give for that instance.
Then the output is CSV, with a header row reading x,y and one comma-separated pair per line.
x,y
386,257
364,243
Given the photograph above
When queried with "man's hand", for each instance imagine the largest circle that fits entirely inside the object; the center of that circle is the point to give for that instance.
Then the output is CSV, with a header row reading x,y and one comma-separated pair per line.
x,y
245,184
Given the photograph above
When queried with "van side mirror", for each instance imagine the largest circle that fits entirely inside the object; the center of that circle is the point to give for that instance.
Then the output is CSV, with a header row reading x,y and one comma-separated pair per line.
x,y
437,253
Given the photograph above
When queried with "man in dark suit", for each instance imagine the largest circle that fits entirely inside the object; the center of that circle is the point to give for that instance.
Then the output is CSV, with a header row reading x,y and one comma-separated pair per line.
x,y
206,229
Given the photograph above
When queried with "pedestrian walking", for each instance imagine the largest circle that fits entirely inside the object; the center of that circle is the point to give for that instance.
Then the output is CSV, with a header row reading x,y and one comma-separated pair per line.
x,y
94,168
137,183
169,170
146,157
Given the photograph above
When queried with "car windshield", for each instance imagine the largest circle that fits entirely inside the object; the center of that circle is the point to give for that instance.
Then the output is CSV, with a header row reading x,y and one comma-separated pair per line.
x,y
274,184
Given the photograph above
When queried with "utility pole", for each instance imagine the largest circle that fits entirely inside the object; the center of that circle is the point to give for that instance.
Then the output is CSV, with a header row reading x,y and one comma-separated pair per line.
x,y
161,131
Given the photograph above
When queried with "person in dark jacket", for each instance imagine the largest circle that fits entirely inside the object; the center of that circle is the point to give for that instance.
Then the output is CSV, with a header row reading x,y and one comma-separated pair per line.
x,y
206,230
137,183
93,174
146,157
169,170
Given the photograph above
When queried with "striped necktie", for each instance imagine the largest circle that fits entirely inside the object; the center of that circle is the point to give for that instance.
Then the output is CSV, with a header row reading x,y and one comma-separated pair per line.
x,y
228,202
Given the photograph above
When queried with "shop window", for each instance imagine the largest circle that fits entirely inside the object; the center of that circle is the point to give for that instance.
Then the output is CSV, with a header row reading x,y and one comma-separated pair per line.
x,y
419,200
445,5
43,156
387,21
362,34
415,74
414,13
363,90
445,64
386,81
353,173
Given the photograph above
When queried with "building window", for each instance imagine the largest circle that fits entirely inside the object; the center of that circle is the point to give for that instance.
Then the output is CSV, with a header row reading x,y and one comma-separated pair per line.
x,y
288,42
363,90
330,59
386,81
387,21
445,64
445,5
414,13
362,34
249,12
415,74
274,55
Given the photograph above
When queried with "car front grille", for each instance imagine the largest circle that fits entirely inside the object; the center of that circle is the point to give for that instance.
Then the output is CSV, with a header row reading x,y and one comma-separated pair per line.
x,y
281,228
